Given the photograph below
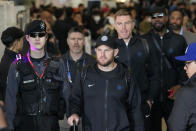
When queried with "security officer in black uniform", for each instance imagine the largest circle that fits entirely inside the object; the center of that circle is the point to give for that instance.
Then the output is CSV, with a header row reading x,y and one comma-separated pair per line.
x,y
34,95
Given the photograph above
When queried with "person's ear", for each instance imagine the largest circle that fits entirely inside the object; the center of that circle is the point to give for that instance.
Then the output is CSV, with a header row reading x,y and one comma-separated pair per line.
x,y
27,37
95,49
132,24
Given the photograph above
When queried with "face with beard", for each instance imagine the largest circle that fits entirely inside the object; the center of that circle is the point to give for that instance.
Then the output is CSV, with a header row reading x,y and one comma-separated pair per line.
x,y
158,21
176,20
105,55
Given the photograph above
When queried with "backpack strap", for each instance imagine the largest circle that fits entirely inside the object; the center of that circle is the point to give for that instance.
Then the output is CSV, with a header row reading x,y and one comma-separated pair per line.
x,y
84,73
162,53
130,83
146,46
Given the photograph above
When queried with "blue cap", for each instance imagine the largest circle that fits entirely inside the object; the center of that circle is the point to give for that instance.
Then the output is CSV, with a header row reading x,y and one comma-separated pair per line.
x,y
190,53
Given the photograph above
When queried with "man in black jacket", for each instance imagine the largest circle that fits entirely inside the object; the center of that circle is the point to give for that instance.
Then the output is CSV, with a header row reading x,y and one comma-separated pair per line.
x,y
76,58
183,116
12,38
165,45
106,95
136,54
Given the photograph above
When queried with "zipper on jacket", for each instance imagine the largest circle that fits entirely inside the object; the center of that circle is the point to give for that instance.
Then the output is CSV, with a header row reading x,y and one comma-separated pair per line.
x,y
161,69
128,56
41,102
106,105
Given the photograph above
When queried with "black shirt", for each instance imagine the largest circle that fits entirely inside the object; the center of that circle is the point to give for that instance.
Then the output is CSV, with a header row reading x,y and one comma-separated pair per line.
x,y
108,74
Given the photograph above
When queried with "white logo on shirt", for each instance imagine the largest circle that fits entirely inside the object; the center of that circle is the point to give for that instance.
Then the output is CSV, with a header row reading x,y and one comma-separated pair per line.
x,y
90,85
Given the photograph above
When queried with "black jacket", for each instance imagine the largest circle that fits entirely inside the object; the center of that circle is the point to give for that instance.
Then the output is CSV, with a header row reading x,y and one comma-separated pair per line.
x,y
12,92
183,116
172,45
6,60
73,66
106,102
140,61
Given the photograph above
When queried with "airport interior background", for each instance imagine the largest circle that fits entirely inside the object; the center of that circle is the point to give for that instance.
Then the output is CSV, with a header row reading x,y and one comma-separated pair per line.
x,y
19,12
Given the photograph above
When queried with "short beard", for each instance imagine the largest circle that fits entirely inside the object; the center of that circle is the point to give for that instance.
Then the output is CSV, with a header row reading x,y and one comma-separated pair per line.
x,y
174,27
107,63
158,29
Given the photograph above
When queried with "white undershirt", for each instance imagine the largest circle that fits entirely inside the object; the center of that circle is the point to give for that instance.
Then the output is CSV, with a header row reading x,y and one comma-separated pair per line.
x,y
127,43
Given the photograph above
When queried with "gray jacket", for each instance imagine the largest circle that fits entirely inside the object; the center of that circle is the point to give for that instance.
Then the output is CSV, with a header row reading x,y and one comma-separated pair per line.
x,y
183,116
189,37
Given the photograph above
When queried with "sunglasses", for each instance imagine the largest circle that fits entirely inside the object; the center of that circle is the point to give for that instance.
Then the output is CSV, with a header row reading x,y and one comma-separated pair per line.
x,y
39,34
157,15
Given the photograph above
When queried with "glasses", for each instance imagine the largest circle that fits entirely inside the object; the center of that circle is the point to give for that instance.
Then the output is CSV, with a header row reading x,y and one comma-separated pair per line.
x,y
39,34
157,15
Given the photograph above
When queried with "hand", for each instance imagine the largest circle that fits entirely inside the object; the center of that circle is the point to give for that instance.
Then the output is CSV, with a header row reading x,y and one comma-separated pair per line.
x,y
149,103
1,103
173,91
3,123
72,118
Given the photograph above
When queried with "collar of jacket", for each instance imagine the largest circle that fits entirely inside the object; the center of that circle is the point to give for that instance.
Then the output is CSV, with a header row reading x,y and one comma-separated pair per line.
x,y
166,35
132,41
122,70
44,58
68,56
10,53
191,82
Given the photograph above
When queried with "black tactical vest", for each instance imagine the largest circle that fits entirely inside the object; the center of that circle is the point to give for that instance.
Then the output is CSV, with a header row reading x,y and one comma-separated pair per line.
x,y
39,96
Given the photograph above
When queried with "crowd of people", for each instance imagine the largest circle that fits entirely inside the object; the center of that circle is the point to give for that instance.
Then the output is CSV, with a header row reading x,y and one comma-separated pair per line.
x,y
115,68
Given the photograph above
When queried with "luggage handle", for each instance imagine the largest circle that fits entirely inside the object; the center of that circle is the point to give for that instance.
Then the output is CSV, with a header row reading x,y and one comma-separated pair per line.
x,y
74,127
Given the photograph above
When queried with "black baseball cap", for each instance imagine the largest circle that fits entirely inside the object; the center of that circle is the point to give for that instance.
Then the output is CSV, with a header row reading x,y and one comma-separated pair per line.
x,y
35,26
106,40
158,10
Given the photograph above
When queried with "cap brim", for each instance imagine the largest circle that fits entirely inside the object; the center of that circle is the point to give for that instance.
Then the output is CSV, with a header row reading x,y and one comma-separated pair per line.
x,y
183,58
99,44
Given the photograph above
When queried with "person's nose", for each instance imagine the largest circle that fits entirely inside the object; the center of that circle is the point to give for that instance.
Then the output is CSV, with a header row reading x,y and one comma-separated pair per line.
x,y
185,67
37,37
123,26
76,41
